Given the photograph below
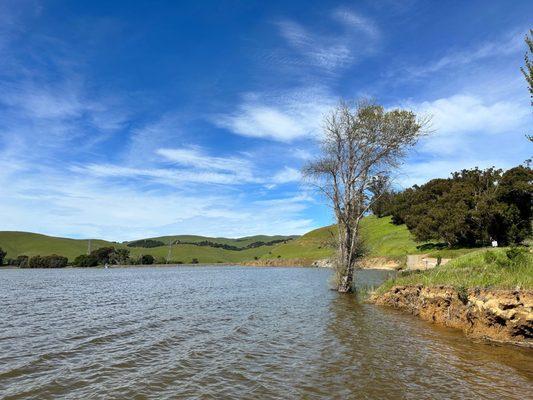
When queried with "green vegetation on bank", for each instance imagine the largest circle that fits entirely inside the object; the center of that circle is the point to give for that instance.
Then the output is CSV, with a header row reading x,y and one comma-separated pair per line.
x,y
504,268
471,208
381,238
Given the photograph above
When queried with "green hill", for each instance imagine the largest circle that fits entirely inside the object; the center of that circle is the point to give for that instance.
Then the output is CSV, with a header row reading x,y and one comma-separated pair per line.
x,y
31,244
381,239
239,242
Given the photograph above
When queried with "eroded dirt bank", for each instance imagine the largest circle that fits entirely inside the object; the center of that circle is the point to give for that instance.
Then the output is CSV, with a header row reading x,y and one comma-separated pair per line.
x,y
504,316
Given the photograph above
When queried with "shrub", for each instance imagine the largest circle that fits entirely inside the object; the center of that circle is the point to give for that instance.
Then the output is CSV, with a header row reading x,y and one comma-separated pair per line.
x,y
52,261
85,261
514,253
147,259
119,256
103,254
22,261
2,256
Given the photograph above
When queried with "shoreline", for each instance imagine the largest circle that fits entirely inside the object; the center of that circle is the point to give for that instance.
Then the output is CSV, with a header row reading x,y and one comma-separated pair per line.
x,y
496,315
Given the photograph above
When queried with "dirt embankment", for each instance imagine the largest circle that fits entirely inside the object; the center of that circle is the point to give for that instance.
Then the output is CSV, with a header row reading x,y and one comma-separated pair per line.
x,y
504,316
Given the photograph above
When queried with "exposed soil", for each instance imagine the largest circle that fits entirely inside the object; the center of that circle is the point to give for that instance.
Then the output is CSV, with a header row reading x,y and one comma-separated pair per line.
x,y
504,316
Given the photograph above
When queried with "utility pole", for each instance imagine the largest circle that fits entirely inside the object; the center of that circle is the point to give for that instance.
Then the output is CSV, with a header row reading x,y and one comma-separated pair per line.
x,y
169,251
89,247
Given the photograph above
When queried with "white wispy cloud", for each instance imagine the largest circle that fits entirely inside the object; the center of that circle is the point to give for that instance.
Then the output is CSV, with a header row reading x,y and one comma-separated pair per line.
x,y
284,116
354,37
196,157
454,119
356,21
287,175
76,202
511,43
467,113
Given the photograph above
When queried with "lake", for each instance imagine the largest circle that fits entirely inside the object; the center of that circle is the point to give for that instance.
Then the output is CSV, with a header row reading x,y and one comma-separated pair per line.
x,y
231,332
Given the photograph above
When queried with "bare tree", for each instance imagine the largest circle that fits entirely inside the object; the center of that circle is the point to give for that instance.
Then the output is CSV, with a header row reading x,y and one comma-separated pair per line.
x,y
360,143
527,70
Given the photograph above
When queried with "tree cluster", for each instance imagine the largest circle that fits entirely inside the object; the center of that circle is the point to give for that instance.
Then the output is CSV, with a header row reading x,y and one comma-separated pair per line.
x,y
103,255
51,261
471,208
225,246
2,256
146,243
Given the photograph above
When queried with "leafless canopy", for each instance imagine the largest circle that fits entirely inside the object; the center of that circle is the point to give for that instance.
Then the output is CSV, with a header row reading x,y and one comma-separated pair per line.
x,y
361,143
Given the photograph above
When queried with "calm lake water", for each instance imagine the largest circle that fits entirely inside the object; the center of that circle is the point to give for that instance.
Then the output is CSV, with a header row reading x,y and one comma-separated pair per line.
x,y
230,332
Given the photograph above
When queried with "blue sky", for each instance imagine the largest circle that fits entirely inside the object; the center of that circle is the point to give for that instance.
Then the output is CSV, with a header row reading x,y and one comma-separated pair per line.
x,y
129,119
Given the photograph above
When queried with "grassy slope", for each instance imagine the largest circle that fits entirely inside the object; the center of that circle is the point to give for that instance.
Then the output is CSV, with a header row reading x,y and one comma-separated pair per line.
x,y
31,244
381,238
240,242
474,270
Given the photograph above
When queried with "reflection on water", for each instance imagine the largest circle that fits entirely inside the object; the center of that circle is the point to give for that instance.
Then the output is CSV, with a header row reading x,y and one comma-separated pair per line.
x,y
212,332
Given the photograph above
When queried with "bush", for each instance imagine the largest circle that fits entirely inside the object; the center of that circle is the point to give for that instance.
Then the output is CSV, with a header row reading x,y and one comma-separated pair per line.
x,y
22,261
194,261
119,256
2,256
103,254
147,259
514,253
85,261
52,261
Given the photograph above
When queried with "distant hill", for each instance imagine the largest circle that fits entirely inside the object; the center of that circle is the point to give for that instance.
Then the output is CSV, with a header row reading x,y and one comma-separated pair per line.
x,y
30,244
239,242
381,238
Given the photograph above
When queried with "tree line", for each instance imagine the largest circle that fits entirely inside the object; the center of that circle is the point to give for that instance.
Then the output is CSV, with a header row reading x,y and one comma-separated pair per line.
x,y
101,256
225,246
471,208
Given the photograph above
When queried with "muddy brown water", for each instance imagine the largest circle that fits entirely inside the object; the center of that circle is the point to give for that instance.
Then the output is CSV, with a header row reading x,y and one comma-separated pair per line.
x,y
231,332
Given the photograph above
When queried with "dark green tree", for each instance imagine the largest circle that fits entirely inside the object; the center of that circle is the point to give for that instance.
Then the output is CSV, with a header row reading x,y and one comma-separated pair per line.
x,y
515,191
2,256
103,254
120,256
85,261
147,259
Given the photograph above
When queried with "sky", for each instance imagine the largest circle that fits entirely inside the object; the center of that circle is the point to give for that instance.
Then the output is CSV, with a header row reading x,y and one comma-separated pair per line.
x,y
130,119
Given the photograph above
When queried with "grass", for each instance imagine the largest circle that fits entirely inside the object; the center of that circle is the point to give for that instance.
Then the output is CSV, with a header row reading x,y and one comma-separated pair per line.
x,y
488,268
381,239
240,242
31,244
313,245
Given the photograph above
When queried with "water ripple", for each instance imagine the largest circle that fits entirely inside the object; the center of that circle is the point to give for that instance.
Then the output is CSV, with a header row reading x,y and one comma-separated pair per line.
x,y
230,332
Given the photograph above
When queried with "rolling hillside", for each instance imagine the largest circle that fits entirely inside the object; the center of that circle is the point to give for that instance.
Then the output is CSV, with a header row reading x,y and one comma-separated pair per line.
x,y
240,242
31,244
381,238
